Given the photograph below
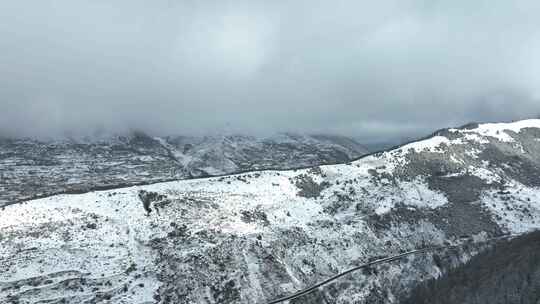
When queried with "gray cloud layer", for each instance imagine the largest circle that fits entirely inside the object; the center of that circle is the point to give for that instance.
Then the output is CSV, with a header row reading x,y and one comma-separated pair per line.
x,y
368,68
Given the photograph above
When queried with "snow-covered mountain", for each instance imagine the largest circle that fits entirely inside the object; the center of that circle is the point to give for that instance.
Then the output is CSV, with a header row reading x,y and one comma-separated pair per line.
x,y
253,237
30,168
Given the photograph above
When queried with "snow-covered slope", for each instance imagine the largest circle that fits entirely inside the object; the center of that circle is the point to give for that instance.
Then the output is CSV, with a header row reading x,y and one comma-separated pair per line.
x,y
30,169
253,237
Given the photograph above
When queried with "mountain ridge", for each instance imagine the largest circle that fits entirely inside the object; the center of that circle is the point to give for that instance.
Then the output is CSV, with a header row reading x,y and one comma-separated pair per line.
x,y
33,169
253,237
163,141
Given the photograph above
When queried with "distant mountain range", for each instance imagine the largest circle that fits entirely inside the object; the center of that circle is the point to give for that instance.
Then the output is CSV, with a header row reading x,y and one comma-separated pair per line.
x,y
31,168
258,236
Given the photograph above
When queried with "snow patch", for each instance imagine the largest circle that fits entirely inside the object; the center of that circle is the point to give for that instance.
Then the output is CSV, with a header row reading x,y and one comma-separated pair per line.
x,y
517,208
499,130
427,145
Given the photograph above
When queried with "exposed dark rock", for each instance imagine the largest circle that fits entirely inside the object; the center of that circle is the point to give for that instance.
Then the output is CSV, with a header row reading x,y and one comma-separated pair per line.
x,y
250,216
148,197
459,189
308,187
456,219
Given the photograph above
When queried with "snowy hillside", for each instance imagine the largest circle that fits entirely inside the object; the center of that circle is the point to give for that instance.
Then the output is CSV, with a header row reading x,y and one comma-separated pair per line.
x,y
254,237
29,169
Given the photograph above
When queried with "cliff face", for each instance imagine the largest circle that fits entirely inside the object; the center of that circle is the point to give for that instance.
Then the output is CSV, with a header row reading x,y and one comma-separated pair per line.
x,y
253,237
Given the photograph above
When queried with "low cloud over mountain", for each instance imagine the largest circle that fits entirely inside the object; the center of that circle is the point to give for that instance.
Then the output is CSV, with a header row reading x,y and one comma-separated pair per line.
x,y
357,68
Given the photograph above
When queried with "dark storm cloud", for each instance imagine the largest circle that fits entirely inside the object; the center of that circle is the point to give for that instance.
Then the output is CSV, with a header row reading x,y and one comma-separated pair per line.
x,y
368,68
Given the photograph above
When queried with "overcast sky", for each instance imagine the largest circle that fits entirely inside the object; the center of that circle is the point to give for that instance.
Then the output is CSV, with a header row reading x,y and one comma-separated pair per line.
x,y
372,69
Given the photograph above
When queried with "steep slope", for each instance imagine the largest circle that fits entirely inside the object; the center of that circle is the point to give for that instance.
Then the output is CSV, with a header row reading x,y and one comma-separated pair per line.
x,y
507,273
253,237
30,169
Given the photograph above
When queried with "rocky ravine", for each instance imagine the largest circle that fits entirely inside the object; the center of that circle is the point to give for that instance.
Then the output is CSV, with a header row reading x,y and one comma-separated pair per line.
x,y
31,169
253,237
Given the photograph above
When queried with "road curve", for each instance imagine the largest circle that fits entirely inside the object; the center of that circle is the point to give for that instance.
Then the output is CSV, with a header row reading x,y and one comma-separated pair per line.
x,y
377,262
